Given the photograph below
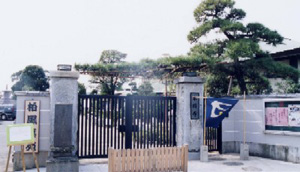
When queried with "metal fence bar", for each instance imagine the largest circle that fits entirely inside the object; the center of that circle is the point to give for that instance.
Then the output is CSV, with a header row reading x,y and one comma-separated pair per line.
x,y
123,121
135,123
86,129
118,121
103,121
93,135
144,110
115,122
174,122
148,117
128,135
105,141
97,125
110,121
214,139
167,123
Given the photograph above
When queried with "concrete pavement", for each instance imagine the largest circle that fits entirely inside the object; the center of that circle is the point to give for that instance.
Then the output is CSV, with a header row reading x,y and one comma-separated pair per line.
x,y
3,146
217,163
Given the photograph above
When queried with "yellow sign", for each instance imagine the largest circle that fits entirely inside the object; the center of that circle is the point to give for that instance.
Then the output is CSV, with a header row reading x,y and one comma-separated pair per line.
x,y
19,134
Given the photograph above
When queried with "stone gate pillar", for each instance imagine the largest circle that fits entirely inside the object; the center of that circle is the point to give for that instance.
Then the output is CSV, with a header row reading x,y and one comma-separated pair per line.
x,y
189,121
63,121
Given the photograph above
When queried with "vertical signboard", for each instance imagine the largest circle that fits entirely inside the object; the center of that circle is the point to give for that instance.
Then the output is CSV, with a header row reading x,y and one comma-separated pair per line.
x,y
195,105
32,115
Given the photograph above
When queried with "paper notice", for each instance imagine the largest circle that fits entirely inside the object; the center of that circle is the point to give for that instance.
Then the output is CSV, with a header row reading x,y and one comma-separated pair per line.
x,y
294,115
20,133
282,116
270,113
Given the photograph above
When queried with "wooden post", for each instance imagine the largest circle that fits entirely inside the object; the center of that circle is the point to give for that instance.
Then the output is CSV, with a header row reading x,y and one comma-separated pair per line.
x,y
35,159
110,160
204,128
186,157
229,86
244,117
23,159
8,157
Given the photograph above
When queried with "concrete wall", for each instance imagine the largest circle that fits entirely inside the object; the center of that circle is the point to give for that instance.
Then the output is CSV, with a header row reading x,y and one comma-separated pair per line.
x,y
270,144
44,128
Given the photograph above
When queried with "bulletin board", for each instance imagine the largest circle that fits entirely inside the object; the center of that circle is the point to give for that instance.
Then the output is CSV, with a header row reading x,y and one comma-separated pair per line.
x,y
282,115
19,134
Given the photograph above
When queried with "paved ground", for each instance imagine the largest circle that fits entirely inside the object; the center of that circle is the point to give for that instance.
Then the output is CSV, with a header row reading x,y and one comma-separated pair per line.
x,y
218,163
3,147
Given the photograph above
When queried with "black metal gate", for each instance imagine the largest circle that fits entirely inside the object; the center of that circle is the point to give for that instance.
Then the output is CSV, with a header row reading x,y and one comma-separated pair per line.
x,y
124,122
214,139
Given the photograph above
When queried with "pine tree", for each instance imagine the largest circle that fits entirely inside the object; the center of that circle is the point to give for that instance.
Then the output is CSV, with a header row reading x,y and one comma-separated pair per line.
x,y
236,52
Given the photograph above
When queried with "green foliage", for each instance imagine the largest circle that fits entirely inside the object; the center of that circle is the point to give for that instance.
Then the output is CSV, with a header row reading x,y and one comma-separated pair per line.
x,y
32,78
133,86
288,86
111,56
94,92
81,89
236,52
108,72
145,89
217,85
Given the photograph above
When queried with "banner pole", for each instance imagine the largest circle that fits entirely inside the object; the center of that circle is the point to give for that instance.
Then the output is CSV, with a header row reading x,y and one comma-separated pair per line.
x,y
244,117
204,128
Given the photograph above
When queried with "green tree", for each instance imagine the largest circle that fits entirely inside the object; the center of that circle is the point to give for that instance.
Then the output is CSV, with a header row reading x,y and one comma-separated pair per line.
x,y
81,89
32,78
287,86
94,92
145,89
133,86
236,51
107,72
111,56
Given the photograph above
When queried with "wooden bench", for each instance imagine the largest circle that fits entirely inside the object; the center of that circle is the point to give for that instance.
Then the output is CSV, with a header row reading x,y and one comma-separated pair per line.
x,y
153,159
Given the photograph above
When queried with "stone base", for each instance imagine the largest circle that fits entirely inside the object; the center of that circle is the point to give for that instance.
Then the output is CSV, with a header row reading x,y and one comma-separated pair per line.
x,y
194,155
29,160
244,152
62,164
204,153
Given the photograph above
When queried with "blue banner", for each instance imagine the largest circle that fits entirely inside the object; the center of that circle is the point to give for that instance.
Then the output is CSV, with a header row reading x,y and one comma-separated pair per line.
x,y
217,109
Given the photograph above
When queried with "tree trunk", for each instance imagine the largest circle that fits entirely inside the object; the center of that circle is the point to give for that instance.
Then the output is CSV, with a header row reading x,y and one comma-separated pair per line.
x,y
242,83
239,74
229,86
112,90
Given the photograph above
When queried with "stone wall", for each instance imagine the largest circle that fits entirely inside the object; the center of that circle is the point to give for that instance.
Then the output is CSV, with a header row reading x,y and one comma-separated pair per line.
x,y
269,144
44,128
189,131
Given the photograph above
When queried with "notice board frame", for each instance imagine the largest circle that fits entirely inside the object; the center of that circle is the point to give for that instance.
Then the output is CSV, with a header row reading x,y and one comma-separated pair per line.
x,y
279,102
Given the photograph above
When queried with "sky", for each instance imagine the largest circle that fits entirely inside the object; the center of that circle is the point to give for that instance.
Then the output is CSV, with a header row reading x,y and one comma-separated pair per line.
x,y
47,33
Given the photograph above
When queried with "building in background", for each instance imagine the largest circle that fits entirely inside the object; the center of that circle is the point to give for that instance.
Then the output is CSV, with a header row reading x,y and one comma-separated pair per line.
x,y
6,97
288,53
